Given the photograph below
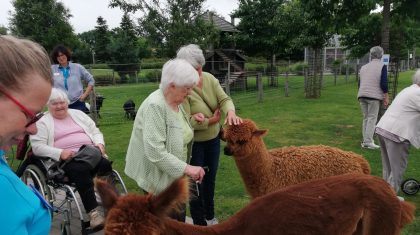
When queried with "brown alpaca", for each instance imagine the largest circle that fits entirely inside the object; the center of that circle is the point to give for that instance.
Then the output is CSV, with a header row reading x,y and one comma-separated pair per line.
x,y
265,171
345,204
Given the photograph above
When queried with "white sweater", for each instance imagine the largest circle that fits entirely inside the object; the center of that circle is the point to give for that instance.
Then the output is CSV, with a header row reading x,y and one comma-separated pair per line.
x,y
43,141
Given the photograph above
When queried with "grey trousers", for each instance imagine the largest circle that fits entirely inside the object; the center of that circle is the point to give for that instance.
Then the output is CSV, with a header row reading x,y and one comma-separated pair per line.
x,y
370,109
394,161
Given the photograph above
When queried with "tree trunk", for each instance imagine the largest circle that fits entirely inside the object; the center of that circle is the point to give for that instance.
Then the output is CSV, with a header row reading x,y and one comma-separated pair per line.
x,y
385,25
314,76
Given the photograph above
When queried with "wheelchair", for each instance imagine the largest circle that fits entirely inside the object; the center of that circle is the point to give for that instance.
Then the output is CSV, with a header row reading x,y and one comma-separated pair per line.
x,y
61,194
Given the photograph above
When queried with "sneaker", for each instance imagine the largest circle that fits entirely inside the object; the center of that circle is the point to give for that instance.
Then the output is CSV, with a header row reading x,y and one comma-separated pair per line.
x,y
370,146
212,221
96,219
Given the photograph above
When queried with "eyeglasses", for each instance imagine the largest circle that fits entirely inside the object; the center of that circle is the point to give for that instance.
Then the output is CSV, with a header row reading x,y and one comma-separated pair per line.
x,y
32,116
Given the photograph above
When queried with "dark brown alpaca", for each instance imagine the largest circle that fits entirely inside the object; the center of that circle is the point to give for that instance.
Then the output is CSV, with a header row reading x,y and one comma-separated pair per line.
x,y
265,171
346,204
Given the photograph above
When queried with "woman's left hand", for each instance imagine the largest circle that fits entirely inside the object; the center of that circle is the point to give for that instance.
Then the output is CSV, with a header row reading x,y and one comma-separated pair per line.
x,y
102,148
82,98
232,119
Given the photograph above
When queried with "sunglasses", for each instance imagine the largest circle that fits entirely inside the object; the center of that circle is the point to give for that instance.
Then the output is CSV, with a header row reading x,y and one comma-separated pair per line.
x,y
29,114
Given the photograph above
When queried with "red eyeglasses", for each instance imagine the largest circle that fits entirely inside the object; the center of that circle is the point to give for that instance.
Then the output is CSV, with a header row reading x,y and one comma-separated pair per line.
x,y
32,116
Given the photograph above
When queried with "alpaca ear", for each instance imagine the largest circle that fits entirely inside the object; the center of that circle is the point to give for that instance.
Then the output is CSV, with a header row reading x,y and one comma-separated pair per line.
x,y
107,192
259,133
172,197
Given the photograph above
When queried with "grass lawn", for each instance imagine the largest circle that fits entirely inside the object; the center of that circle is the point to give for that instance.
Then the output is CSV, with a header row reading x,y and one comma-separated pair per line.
x,y
334,119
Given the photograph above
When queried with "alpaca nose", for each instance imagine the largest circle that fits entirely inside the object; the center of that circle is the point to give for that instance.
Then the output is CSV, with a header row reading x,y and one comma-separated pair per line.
x,y
227,151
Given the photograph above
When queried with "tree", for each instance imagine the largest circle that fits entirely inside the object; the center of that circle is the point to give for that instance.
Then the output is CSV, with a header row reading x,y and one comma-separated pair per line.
x,y
362,35
169,24
44,21
394,29
124,49
3,30
259,36
102,40
323,18
386,25
84,52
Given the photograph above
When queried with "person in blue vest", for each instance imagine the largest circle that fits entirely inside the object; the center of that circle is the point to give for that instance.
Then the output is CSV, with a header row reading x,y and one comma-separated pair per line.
x,y
68,77
25,85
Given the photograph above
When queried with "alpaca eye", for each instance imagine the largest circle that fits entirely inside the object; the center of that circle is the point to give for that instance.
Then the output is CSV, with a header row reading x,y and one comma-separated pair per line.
x,y
241,142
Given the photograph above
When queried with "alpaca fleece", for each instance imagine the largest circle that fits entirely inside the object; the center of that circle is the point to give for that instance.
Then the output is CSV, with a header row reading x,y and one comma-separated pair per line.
x,y
265,171
345,204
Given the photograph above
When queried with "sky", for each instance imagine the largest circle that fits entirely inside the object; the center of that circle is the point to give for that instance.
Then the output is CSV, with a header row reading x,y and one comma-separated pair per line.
x,y
85,12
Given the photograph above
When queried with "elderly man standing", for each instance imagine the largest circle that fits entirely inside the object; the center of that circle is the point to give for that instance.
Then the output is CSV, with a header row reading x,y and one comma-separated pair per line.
x,y
373,89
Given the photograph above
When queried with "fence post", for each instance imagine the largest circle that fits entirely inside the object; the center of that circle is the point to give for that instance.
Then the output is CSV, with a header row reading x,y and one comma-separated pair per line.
x,y
93,111
227,80
137,78
286,81
260,87
357,72
347,71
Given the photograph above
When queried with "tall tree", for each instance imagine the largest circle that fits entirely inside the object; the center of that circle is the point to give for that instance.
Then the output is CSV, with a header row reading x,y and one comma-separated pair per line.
x,y
170,24
102,40
124,49
44,21
84,52
386,25
394,29
323,18
259,35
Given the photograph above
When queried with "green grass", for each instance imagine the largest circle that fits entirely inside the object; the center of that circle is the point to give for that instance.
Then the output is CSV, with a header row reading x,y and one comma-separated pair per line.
x,y
334,119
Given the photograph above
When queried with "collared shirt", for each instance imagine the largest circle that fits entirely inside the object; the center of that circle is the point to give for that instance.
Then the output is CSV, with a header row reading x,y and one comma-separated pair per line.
x,y
76,74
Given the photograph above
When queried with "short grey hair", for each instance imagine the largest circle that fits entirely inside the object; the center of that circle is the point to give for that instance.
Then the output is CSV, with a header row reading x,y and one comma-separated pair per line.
x,y
58,95
178,72
416,77
376,52
193,54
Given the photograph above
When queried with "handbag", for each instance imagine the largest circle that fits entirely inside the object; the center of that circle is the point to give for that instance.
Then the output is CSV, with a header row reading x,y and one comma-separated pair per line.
x,y
89,154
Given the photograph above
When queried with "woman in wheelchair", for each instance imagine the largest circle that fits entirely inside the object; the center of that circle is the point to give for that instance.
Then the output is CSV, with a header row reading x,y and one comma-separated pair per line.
x,y
61,133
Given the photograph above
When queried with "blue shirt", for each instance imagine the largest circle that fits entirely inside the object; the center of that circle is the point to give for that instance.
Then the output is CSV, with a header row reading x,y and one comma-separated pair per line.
x,y
21,211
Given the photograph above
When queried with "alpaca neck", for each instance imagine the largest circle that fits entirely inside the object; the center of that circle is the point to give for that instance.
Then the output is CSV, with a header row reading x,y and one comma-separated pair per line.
x,y
255,167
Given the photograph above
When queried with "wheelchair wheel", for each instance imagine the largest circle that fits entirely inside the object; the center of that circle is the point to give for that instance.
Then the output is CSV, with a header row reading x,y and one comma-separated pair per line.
x,y
115,179
118,183
33,175
410,186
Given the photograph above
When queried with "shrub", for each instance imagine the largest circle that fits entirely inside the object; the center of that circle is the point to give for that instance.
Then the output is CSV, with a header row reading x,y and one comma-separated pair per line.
x,y
299,67
97,66
150,75
152,65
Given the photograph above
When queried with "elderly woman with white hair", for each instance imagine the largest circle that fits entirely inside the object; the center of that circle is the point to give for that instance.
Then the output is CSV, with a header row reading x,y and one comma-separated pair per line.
x,y
373,89
61,133
397,130
205,105
160,143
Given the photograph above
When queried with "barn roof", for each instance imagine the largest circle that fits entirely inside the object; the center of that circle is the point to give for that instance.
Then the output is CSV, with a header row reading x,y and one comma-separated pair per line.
x,y
219,22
